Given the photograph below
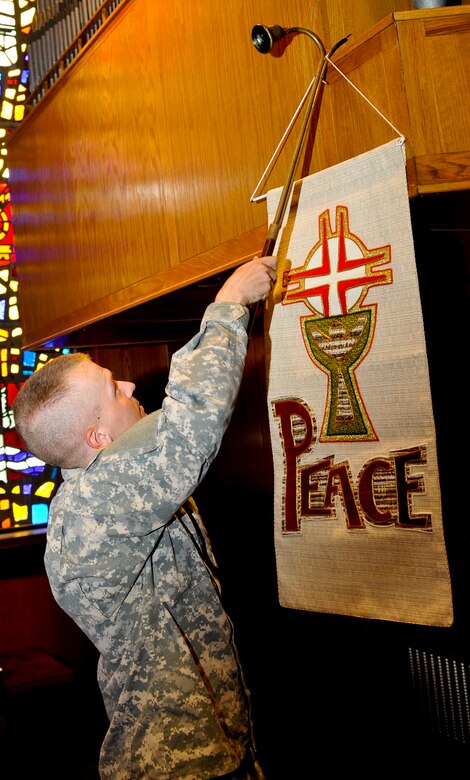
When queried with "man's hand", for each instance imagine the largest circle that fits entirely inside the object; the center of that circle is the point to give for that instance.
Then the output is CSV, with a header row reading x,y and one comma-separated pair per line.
x,y
250,282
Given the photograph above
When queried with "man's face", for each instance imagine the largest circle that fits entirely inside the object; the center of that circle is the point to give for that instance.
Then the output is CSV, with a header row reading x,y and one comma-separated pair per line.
x,y
114,407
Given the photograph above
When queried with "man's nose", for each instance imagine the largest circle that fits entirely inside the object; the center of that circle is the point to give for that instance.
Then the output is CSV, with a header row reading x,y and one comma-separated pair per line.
x,y
127,388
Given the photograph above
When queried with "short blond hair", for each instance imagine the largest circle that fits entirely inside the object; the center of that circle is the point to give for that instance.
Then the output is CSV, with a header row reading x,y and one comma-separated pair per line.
x,y
48,412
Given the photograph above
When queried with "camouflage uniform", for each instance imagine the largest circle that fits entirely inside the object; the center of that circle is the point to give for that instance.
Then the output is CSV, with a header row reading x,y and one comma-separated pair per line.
x,y
136,574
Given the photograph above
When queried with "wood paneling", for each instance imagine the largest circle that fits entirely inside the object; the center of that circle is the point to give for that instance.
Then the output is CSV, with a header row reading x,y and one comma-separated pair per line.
x,y
129,182
438,96
413,68
144,156
349,125
341,17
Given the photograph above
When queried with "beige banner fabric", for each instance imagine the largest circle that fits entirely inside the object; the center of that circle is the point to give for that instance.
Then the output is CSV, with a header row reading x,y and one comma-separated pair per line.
x,y
357,505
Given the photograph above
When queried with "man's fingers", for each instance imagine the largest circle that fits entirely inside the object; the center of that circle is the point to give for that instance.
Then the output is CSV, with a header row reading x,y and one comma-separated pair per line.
x,y
271,261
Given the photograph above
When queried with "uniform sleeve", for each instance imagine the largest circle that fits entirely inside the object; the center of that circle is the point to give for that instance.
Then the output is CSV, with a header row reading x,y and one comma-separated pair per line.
x,y
205,377
148,472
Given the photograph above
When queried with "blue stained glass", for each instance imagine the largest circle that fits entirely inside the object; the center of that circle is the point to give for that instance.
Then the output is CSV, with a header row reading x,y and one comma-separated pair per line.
x,y
21,472
58,343
29,358
17,457
34,471
39,514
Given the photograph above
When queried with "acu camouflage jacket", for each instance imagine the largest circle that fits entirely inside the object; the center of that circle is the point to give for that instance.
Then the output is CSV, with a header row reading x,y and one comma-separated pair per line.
x,y
135,574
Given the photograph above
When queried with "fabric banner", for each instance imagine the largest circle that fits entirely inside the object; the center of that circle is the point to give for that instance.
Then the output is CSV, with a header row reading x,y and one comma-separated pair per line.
x,y
358,521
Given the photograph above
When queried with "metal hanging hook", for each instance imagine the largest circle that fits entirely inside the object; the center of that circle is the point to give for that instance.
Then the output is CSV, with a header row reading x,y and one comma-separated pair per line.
x,y
264,38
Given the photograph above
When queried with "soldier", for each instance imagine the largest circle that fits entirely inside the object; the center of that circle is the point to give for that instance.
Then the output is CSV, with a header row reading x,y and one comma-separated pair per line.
x,y
127,555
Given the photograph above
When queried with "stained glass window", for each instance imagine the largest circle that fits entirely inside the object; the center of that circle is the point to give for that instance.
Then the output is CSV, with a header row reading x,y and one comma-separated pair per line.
x,y
26,484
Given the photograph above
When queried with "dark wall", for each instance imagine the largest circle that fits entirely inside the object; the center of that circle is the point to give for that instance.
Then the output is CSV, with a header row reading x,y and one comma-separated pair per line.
x,y
52,718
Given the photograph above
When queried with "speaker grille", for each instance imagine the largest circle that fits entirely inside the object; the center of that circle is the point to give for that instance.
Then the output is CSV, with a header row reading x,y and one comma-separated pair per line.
x,y
442,689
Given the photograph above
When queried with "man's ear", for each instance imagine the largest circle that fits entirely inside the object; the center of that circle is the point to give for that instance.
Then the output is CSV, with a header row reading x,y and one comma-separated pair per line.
x,y
97,439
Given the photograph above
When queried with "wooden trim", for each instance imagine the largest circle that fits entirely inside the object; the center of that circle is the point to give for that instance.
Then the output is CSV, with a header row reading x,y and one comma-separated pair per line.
x,y
443,172
221,258
430,13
